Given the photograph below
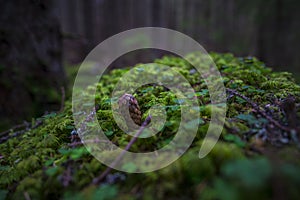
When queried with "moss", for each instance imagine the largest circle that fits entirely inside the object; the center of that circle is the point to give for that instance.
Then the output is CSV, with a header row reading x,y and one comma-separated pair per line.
x,y
42,164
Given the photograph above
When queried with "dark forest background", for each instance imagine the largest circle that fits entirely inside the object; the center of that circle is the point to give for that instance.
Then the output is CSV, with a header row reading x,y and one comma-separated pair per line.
x,y
39,39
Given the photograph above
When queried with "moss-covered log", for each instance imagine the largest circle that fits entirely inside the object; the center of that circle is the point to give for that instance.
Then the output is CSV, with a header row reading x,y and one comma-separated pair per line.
x,y
257,156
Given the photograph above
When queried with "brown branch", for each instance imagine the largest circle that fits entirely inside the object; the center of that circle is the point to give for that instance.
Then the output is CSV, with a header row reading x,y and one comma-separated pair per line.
x,y
259,110
18,133
118,159
13,128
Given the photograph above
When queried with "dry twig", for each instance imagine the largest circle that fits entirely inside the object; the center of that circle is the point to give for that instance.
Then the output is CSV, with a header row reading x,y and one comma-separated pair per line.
x,y
259,110
118,159
18,133
13,128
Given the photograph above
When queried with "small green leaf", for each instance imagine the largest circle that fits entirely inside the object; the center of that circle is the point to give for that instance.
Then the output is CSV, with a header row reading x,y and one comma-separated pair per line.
x,y
179,101
105,192
63,151
51,171
240,100
70,127
108,133
49,162
49,115
236,139
203,92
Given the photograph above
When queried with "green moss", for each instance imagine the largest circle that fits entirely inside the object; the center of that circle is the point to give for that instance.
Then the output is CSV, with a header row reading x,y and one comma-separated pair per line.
x,y
41,163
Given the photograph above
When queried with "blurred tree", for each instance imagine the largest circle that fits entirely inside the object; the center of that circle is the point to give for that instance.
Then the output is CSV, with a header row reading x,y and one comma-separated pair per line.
x,y
266,29
31,73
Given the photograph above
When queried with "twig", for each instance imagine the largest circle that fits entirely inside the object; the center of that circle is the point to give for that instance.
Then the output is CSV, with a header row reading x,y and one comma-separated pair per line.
x,y
258,109
13,128
117,160
18,133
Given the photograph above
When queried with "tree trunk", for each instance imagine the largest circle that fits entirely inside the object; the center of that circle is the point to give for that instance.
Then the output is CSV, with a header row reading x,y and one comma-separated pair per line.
x,y
31,72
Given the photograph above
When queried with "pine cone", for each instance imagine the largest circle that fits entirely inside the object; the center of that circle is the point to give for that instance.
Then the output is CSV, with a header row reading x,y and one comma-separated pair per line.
x,y
127,101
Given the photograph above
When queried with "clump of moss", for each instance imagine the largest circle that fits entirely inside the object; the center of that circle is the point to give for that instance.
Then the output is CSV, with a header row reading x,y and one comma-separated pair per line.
x,y
42,163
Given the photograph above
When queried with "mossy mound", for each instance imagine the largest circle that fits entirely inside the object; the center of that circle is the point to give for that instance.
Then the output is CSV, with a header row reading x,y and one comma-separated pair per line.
x,y
257,156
